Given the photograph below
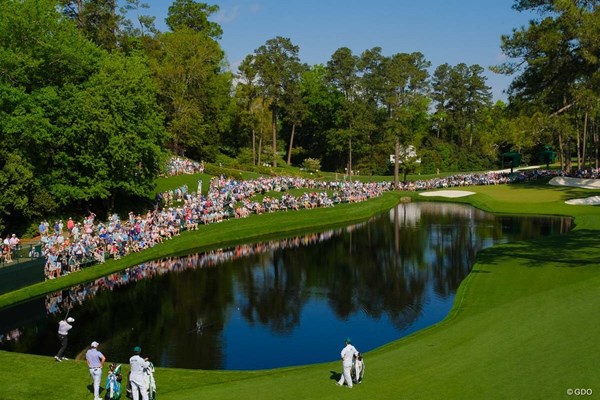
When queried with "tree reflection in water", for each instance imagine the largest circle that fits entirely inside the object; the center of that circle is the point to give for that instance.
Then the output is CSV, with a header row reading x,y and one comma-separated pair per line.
x,y
375,281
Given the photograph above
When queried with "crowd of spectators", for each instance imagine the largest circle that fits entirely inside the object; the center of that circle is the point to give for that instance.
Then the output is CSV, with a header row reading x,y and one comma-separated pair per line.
x,y
180,165
8,247
59,302
66,250
67,247
592,173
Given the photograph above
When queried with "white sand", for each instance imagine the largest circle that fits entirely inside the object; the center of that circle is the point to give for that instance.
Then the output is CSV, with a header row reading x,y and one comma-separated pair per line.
x,y
447,193
579,183
575,182
587,201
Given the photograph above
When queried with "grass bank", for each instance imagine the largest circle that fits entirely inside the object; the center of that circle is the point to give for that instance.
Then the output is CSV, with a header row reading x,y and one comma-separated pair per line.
x,y
523,325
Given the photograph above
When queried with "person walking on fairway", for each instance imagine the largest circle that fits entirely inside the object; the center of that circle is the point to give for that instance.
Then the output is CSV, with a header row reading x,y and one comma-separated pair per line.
x,y
348,353
136,377
64,326
95,361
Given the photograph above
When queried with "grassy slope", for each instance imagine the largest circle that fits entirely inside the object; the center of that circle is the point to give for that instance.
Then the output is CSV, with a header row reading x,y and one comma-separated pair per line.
x,y
523,327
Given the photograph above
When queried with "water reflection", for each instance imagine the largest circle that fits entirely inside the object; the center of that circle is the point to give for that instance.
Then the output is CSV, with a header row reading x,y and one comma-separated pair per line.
x,y
374,281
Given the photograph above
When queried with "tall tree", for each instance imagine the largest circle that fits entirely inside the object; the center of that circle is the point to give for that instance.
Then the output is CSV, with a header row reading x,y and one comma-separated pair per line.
x,y
461,97
278,66
193,15
112,136
143,25
322,102
406,87
247,93
294,109
342,70
194,90
555,57
78,125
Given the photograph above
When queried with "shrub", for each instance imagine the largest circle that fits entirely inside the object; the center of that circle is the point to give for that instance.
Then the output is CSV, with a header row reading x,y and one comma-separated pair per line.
x,y
311,164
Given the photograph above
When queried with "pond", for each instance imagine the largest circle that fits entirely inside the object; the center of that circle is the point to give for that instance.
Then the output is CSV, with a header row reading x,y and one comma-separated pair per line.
x,y
279,303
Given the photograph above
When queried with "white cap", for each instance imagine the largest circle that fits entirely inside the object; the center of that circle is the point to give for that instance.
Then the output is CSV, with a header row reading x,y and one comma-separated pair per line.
x,y
70,320
95,344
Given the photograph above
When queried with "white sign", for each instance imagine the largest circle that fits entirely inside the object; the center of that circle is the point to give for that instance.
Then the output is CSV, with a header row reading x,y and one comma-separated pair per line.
x,y
406,154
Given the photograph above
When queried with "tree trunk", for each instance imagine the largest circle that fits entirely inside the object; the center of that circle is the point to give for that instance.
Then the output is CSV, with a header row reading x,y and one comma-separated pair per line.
x,y
578,144
596,144
396,164
289,157
259,150
80,20
350,156
561,151
253,146
274,129
585,140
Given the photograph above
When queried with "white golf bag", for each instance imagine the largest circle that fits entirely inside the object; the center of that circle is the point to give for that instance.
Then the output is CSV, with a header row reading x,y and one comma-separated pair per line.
x,y
358,369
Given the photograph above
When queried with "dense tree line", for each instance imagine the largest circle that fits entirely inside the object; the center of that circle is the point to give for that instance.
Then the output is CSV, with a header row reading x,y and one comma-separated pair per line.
x,y
94,97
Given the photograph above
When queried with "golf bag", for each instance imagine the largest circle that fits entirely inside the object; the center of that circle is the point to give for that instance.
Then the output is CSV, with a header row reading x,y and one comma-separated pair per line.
x,y
113,383
358,369
150,383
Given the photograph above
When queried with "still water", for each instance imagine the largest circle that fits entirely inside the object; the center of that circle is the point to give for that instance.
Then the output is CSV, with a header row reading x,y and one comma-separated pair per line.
x,y
279,303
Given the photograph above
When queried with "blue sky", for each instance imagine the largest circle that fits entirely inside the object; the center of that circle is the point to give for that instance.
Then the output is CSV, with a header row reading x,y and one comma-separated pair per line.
x,y
445,31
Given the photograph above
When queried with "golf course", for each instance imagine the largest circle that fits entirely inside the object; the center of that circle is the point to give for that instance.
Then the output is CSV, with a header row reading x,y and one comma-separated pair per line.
x,y
522,327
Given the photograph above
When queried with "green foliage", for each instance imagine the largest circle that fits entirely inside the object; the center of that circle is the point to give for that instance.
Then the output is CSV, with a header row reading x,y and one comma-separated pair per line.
x,y
311,165
82,125
278,69
245,156
193,91
190,14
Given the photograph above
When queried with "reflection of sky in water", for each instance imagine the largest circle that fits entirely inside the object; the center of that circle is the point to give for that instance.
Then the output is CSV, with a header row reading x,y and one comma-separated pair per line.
x,y
251,314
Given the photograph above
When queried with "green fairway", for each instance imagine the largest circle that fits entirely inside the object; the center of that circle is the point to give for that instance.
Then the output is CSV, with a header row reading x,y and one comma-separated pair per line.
x,y
522,327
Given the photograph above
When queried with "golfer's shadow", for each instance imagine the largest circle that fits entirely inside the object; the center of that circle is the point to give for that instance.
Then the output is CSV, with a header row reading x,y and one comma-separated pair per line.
x,y
335,376
91,389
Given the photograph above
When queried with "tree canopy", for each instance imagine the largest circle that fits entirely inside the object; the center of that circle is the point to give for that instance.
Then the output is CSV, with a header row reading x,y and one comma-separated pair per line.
x,y
93,97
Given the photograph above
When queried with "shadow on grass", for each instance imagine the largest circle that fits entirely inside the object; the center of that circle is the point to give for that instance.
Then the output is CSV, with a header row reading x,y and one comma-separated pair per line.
x,y
579,248
569,192
90,387
335,376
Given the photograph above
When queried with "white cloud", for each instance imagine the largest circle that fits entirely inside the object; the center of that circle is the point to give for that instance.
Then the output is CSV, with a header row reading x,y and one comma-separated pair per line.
x,y
227,15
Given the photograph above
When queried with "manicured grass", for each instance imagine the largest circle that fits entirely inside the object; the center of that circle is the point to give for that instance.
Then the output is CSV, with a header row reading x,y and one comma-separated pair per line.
x,y
523,325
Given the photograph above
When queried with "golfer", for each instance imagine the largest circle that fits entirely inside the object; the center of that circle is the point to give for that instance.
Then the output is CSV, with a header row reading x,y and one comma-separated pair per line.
x,y
95,361
348,353
64,326
136,377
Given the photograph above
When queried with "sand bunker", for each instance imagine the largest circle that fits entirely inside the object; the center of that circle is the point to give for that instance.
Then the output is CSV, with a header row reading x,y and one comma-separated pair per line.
x,y
579,183
575,182
447,193
587,201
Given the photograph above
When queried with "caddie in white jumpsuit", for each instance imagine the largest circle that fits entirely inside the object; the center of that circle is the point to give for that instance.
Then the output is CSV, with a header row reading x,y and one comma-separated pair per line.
x,y
138,383
348,353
